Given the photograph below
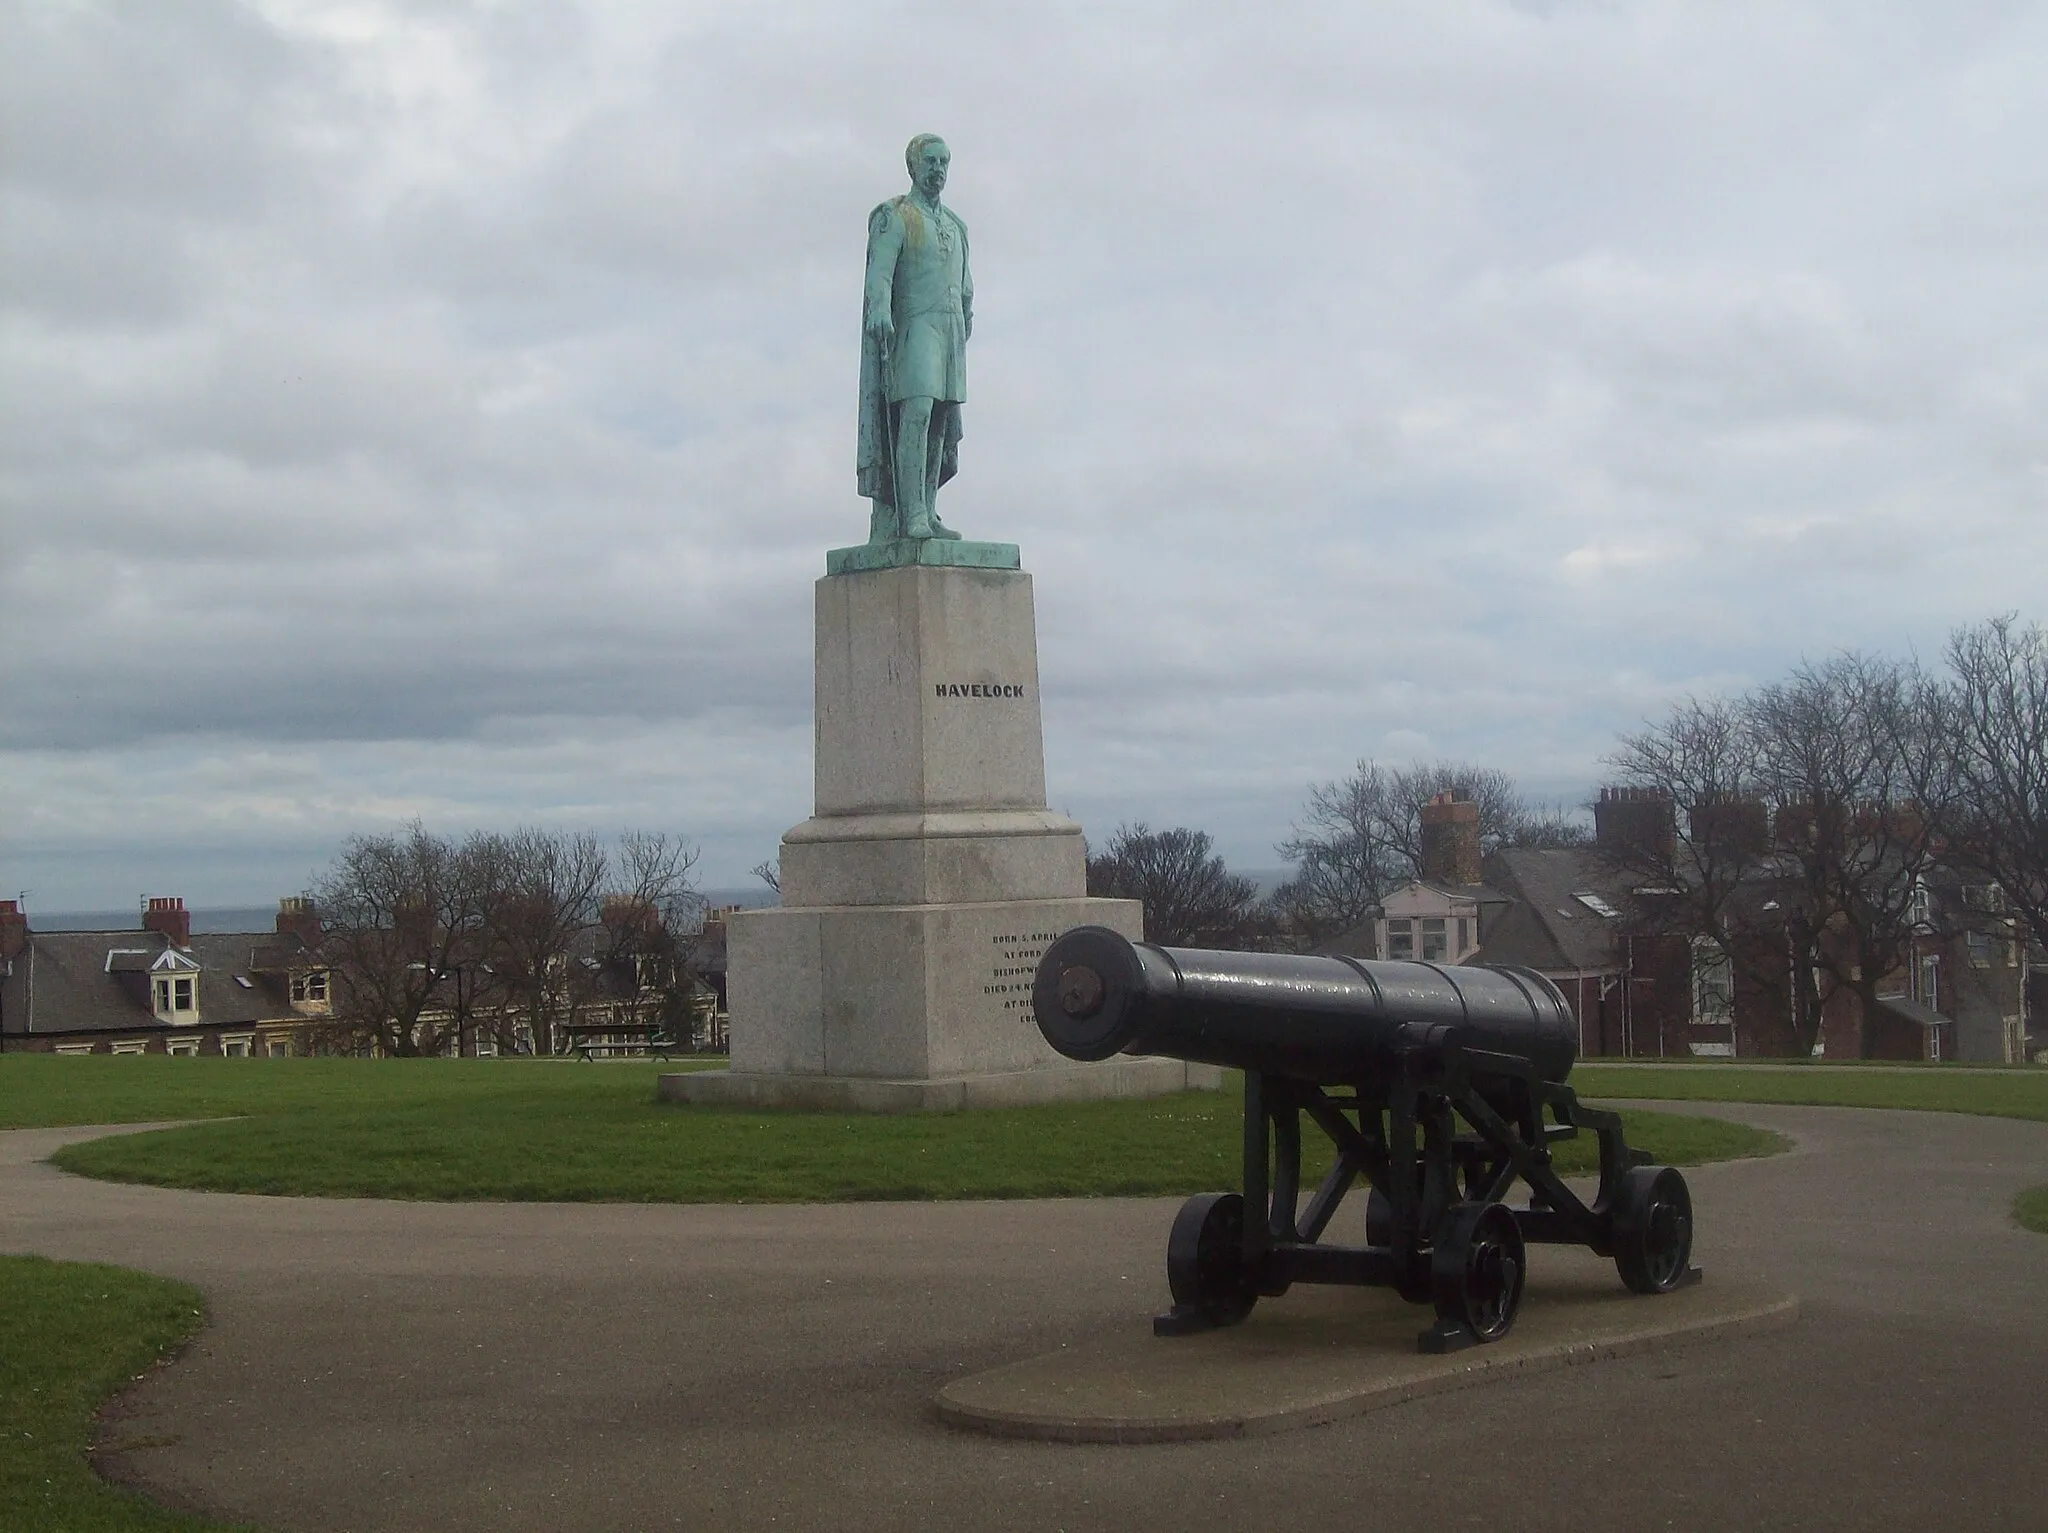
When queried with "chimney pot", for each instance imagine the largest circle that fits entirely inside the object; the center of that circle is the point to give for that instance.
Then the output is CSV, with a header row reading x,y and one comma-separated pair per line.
x,y
1641,820
1450,840
167,915
298,917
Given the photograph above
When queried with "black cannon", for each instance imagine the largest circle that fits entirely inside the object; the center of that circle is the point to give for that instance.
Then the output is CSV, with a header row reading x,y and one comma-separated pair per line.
x,y
1442,1087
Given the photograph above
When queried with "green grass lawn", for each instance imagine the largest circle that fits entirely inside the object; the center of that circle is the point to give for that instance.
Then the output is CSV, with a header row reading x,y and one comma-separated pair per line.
x,y
522,1130
71,1333
2017,1093
43,1090
2030,1208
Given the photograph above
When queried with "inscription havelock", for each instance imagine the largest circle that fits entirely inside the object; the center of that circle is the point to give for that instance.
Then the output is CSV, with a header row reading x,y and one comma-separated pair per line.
x,y
1016,964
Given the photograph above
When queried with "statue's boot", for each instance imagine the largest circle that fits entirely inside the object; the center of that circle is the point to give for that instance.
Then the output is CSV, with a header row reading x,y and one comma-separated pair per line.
x,y
940,529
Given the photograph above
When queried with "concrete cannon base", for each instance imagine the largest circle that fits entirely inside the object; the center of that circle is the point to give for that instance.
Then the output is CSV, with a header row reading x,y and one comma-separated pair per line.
x,y
1319,1354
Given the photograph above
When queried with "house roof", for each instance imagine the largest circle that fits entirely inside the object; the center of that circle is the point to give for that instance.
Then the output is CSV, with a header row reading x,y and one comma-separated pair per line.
x,y
97,982
1565,911
1910,1011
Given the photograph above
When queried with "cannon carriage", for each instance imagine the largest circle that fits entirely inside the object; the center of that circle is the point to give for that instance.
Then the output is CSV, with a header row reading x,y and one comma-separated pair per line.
x,y
1442,1088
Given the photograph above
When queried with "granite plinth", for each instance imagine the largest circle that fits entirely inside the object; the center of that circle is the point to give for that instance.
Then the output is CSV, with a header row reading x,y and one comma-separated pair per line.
x,y
936,857
933,553
917,900
927,693
898,992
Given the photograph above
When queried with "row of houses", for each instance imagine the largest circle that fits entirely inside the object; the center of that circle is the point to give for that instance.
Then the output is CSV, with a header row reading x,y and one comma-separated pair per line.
x,y
1970,989
162,988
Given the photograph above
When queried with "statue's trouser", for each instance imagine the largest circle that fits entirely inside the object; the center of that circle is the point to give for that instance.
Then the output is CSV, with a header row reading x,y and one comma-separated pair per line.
x,y
920,447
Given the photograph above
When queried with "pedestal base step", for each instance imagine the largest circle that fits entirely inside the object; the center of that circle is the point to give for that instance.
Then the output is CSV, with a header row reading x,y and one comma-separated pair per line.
x,y
951,1093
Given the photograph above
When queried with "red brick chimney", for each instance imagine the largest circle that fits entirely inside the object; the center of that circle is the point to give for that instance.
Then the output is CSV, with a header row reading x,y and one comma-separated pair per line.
x,y
296,917
13,929
1450,840
1731,827
167,914
1636,820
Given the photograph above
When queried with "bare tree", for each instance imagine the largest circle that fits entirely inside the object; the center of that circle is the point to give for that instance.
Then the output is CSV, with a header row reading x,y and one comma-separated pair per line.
x,y
1798,836
542,894
1992,715
768,873
647,923
1191,899
1700,857
398,914
430,943
1362,836
1845,753
1546,828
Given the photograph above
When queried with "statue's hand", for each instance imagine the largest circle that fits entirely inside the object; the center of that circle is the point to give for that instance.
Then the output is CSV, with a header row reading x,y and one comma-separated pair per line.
x,y
882,331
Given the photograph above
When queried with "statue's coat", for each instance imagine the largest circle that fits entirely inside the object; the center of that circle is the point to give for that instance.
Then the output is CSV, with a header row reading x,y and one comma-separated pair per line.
x,y
921,272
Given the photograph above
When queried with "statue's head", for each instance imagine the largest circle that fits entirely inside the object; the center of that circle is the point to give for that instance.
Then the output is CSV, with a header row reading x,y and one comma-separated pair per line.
x,y
928,158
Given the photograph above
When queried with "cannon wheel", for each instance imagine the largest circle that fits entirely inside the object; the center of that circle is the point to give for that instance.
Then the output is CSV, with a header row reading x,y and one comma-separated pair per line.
x,y
1653,1230
1476,1276
1205,1265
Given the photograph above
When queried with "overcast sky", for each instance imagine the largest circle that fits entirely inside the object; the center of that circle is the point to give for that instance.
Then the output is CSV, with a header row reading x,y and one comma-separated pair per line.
x,y
443,409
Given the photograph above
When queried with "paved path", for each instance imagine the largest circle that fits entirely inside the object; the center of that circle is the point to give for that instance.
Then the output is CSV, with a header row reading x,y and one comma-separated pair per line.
x,y
507,1367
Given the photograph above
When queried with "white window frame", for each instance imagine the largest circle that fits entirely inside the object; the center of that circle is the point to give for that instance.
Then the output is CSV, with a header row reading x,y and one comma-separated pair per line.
x,y
183,1048
1401,929
1713,984
238,1045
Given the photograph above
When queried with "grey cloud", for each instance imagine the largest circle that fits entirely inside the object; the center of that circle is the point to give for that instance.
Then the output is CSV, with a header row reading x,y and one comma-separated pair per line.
x,y
400,399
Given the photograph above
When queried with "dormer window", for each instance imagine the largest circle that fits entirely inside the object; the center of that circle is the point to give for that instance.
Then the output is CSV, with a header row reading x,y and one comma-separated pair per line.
x,y
173,984
309,987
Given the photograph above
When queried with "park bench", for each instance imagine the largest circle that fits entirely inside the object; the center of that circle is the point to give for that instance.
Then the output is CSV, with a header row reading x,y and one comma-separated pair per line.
x,y
620,1040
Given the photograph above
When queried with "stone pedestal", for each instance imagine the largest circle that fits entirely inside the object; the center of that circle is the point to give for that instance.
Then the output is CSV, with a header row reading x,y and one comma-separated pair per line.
x,y
917,900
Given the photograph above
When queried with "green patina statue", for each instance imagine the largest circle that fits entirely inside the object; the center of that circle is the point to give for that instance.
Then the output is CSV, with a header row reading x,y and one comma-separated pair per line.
x,y
917,312
917,315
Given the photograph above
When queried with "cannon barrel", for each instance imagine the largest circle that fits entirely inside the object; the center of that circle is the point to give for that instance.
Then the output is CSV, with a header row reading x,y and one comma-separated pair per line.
x,y
1328,1020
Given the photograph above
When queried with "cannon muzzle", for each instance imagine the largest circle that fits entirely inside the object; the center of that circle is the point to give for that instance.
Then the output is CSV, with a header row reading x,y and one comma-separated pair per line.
x,y
1309,1018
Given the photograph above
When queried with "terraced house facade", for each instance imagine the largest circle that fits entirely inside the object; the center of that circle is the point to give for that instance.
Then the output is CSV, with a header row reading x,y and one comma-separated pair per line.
x,y
159,989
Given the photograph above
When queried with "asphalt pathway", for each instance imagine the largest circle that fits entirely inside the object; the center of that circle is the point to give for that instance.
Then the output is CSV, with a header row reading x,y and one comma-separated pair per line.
x,y
376,1366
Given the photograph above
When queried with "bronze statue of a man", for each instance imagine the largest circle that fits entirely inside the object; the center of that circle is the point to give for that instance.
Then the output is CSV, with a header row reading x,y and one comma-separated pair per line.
x,y
918,314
